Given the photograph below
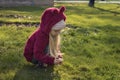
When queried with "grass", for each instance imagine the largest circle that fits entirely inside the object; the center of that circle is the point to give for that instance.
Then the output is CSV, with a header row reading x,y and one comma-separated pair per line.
x,y
90,42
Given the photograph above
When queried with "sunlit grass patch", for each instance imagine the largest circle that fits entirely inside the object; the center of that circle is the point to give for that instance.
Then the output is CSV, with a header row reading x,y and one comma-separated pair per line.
x,y
90,44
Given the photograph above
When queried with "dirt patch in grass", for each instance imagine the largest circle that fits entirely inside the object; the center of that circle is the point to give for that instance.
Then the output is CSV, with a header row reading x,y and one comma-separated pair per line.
x,y
14,16
27,24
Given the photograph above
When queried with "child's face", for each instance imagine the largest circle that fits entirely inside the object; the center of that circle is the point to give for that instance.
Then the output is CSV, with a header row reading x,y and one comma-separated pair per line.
x,y
55,32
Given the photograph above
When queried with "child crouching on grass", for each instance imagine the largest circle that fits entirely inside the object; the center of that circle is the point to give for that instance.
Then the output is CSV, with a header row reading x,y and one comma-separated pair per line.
x,y
43,46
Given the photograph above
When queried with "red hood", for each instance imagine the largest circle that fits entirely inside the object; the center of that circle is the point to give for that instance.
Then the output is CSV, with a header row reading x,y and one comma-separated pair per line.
x,y
50,17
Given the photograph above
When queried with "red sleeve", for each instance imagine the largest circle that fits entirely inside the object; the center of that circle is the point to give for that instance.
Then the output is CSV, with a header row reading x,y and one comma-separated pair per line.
x,y
39,47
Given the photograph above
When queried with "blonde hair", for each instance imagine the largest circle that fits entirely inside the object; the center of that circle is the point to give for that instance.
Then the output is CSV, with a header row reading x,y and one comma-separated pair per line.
x,y
54,45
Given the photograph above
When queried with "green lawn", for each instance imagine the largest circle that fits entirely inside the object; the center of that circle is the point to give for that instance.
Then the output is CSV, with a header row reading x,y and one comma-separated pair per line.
x,y
90,42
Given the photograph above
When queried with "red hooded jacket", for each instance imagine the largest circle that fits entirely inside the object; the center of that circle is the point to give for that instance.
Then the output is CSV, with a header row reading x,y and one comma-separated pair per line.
x,y
39,40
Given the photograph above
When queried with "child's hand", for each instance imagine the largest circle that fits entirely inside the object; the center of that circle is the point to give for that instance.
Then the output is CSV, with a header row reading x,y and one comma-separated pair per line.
x,y
60,55
58,60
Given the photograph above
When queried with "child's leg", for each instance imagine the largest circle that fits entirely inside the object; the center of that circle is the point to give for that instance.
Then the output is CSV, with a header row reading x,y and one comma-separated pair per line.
x,y
38,64
34,61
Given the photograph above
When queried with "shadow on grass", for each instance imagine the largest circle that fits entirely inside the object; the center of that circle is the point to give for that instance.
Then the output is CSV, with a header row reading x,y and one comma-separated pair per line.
x,y
31,73
101,9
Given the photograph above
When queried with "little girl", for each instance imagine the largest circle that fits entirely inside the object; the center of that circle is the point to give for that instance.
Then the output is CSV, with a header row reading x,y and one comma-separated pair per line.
x,y
43,46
